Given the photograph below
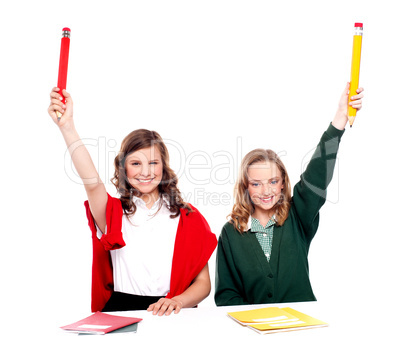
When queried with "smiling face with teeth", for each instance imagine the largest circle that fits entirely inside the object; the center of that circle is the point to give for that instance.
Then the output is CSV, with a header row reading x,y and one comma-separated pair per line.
x,y
265,185
144,170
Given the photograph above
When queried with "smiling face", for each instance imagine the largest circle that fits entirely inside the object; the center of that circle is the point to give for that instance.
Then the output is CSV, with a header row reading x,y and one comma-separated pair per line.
x,y
144,169
265,185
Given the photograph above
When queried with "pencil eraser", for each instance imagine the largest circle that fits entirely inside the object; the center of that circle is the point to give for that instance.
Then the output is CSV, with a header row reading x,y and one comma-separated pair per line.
x,y
66,29
359,24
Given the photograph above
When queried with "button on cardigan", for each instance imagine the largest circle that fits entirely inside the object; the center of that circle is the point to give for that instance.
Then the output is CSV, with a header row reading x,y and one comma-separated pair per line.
x,y
244,276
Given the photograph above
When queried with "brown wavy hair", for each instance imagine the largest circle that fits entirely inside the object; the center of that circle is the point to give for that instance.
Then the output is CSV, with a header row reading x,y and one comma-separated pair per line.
x,y
137,140
243,207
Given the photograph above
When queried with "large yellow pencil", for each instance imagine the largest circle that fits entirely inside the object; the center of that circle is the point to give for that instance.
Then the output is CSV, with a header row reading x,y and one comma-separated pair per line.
x,y
355,70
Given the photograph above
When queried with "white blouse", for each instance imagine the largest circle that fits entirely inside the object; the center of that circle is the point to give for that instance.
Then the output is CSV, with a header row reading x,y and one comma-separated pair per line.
x,y
144,265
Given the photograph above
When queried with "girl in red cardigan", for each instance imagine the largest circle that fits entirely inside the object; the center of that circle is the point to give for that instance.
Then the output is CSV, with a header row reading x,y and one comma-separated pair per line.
x,y
150,248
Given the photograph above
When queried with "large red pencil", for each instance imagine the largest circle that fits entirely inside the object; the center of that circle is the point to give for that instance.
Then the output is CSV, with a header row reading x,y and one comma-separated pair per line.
x,y
63,64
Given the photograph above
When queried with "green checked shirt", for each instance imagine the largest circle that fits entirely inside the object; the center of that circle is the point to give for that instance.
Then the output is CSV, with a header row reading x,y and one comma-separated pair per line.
x,y
264,235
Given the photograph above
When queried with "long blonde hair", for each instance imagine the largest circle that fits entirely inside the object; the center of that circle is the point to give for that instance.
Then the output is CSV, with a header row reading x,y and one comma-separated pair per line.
x,y
243,206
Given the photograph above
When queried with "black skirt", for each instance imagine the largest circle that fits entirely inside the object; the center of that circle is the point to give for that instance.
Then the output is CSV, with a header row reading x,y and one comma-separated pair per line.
x,y
124,302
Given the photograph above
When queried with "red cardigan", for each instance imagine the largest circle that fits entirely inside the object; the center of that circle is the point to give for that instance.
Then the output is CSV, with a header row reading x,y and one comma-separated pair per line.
x,y
193,247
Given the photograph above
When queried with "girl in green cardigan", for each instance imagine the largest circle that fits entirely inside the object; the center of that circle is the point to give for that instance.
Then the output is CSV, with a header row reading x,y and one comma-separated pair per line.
x,y
262,251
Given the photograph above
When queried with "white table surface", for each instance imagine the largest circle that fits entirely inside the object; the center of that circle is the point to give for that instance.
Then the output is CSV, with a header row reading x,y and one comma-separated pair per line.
x,y
210,323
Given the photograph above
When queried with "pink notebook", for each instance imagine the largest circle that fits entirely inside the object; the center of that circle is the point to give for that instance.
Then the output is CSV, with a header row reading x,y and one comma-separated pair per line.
x,y
100,323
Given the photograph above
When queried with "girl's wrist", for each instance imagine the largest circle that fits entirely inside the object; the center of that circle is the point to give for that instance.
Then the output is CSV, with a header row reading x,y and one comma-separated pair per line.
x,y
67,127
69,132
340,120
178,300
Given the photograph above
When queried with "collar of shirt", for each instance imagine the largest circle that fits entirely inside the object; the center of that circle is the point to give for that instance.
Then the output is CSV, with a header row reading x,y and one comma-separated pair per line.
x,y
138,201
256,227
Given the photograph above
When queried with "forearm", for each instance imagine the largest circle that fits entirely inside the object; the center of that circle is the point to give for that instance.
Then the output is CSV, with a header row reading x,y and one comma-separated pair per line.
x,y
321,166
340,120
194,294
191,297
226,292
229,298
81,158
309,194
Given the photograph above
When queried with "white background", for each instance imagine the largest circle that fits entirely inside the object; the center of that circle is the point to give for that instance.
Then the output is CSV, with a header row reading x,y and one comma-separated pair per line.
x,y
215,79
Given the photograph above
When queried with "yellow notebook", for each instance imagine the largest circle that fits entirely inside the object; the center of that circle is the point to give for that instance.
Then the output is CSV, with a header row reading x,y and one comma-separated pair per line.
x,y
275,319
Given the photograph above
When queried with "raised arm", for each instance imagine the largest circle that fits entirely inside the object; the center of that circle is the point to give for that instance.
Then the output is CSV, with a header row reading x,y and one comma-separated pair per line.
x,y
309,193
96,191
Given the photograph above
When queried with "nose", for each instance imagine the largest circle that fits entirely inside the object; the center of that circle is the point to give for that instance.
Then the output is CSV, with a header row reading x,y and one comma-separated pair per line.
x,y
145,169
266,189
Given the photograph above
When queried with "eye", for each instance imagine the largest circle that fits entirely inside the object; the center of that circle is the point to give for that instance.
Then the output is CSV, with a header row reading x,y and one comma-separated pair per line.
x,y
135,163
275,181
254,184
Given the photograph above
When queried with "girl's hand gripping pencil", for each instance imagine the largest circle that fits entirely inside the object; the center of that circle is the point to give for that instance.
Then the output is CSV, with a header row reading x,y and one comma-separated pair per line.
x,y
63,64
355,70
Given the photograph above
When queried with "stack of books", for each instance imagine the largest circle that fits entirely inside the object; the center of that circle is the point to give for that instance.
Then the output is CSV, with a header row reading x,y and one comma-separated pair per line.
x,y
101,323
275,319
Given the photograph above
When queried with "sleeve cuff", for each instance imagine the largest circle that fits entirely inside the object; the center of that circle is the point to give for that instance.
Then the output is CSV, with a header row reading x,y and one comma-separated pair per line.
x,y
333,132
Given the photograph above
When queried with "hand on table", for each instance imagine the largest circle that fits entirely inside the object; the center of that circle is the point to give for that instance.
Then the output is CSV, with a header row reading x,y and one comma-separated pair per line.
x,y
165,306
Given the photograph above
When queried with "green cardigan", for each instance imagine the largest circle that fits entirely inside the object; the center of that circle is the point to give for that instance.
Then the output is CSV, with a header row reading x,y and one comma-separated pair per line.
x,y
243,274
